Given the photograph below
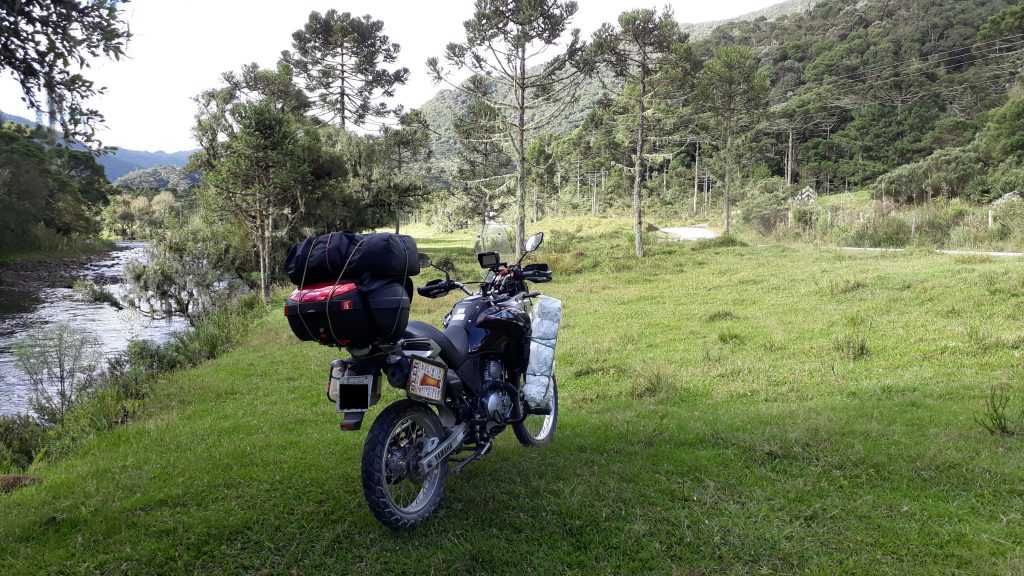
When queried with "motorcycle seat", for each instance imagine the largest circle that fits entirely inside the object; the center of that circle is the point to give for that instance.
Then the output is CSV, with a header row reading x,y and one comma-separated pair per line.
x,y
453,341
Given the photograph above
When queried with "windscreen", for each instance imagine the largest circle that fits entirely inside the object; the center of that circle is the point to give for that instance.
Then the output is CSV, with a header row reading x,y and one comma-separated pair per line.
x,y
495,238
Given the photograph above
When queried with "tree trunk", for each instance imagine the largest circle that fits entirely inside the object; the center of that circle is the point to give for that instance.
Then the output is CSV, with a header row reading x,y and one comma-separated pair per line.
x,y
789,160
263,252
707,191
696,176
343,91
728,179
398,201
578,177
638,218
521,155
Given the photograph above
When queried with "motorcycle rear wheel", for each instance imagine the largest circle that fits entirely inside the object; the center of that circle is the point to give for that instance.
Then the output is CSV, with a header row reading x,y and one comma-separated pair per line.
x,y
539,429
396,441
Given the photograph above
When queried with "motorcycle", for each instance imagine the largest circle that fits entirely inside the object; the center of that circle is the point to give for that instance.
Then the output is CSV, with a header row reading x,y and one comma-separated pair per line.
x,y
464,385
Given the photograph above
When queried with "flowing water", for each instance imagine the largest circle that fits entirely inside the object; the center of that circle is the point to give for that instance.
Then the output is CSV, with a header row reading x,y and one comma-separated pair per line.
x,y
21,311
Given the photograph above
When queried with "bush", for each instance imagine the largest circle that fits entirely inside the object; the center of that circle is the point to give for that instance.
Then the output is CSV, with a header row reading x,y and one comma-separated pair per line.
x,y
21,438
764,212
61,362
885,232
725,241
1004,412
962,237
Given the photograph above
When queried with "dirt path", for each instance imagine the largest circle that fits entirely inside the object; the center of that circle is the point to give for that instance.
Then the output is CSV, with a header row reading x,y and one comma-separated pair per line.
x,y
951,252
690,233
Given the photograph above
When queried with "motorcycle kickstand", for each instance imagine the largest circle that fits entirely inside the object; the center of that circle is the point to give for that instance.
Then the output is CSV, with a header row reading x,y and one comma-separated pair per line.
x,y
481,451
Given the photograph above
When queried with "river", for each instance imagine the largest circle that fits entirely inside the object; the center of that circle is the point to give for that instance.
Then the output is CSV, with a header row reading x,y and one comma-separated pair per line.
x,y
21,311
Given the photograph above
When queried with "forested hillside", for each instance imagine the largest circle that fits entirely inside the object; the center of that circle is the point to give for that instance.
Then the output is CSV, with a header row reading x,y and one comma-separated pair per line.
x,y
447,103
862,86
120,161
157,178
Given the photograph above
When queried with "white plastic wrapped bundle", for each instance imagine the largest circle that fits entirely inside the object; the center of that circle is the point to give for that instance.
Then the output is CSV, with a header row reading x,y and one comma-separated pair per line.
x,y
547,315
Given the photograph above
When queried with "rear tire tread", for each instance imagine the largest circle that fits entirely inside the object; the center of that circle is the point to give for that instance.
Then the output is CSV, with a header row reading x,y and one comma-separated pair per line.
x,y
373,478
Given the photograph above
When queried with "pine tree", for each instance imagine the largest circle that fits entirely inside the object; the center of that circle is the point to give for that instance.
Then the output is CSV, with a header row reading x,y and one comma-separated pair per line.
x,y
339,57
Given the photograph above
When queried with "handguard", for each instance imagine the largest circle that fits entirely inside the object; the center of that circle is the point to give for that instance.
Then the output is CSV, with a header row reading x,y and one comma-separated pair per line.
x,y
435,289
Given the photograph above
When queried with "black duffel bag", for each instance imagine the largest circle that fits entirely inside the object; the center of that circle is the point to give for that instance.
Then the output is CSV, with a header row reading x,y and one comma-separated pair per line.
x,y
348,256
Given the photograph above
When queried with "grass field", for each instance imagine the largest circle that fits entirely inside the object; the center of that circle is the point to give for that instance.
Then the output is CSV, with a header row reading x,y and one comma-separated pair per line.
x,y
724,411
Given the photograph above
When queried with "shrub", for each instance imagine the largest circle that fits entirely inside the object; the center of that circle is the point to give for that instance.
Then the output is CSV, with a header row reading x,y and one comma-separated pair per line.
x,y
804,216
764,212
725,241
1004,412
93,292
61,362
962,237
21,438
885,232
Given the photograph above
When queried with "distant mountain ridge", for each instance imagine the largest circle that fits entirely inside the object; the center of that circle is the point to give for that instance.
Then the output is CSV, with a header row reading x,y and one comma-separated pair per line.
x,y
124,160
701,29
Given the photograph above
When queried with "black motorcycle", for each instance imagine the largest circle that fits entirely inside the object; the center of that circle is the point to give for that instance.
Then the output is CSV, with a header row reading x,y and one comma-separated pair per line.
x,y
464,385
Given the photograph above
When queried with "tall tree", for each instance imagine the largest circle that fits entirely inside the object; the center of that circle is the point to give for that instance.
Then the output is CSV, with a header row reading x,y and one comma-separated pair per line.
x,y
635,52
484,168
400,148
258,152
505,41
339,58
44,44
732,88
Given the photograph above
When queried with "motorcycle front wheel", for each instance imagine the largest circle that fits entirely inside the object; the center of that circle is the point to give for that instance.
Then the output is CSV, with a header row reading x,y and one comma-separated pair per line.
x,y
398,438
539,429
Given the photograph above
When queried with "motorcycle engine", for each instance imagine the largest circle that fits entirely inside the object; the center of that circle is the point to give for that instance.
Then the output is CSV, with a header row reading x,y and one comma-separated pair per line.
x,y
497,402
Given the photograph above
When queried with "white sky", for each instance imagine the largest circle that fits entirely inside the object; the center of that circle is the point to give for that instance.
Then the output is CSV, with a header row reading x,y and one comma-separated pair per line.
x,y
181,47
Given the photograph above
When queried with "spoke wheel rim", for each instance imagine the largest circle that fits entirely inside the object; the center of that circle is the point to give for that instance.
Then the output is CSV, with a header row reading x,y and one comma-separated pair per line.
x,y
539,426
404,445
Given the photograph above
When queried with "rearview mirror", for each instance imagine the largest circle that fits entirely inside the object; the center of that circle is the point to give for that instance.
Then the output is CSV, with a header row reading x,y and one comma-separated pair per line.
x,y
534,241
424,260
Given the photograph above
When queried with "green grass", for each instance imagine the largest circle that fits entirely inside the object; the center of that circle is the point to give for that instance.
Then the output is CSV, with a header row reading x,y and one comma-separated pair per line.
x,y
713,422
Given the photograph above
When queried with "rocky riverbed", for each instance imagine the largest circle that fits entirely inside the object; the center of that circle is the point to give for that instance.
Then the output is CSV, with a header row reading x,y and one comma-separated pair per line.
x,y
36,294
63,272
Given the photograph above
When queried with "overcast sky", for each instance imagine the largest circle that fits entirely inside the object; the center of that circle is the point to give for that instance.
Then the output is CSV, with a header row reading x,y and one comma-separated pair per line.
x,y
180,48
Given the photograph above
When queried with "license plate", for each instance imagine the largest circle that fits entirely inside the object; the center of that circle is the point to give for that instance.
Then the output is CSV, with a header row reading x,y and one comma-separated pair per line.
x,y
352,393
426,381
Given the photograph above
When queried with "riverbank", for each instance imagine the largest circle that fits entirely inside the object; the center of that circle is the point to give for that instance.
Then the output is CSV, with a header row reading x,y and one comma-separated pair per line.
x,y
724,411
59,269
37,294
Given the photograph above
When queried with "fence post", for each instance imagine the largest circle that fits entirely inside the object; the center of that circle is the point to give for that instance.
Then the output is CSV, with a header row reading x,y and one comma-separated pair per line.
x,y
990,214
913,225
